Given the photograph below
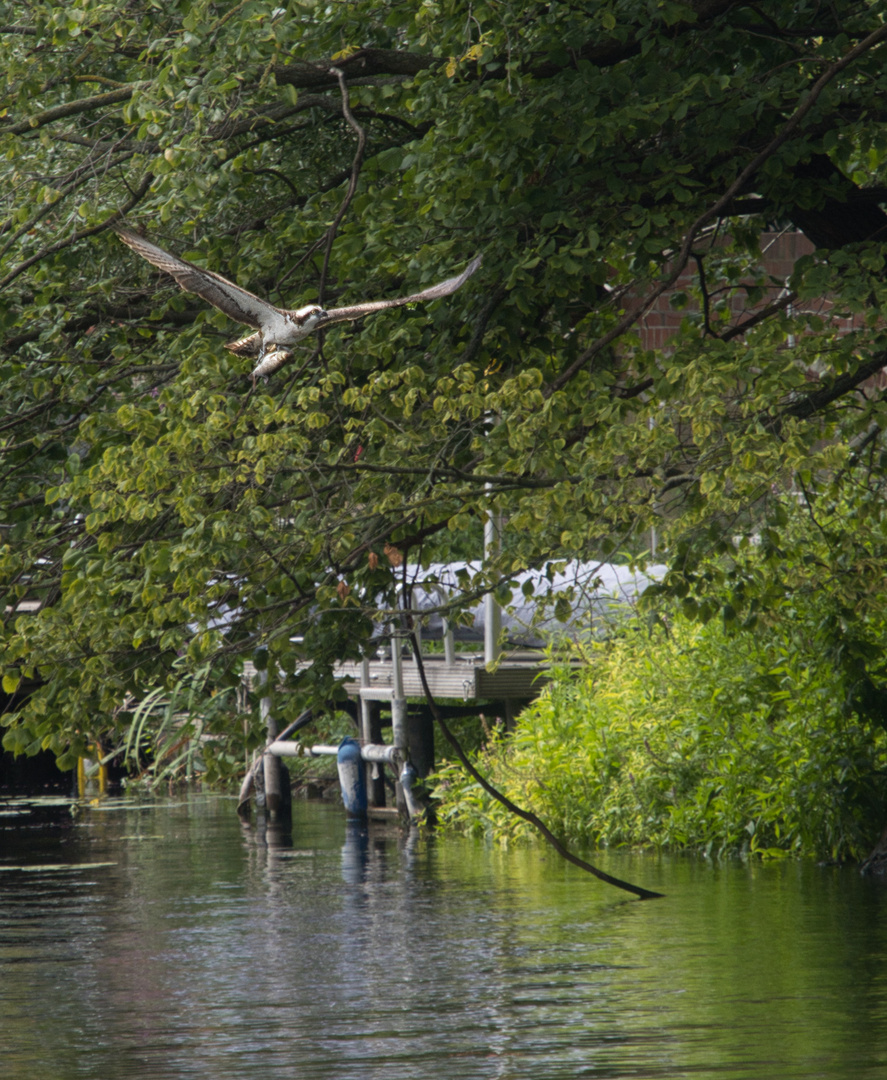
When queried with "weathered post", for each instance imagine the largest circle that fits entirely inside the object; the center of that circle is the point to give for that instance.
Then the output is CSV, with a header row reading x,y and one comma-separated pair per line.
x,y
398,700
376,780
371,768
271,767
420,733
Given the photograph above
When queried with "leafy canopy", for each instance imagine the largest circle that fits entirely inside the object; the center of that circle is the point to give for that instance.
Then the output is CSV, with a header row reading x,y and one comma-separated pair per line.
x,y
155,506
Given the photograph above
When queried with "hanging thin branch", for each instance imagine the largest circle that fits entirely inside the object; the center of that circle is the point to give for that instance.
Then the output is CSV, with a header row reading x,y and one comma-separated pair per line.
x,y
527,815
352,184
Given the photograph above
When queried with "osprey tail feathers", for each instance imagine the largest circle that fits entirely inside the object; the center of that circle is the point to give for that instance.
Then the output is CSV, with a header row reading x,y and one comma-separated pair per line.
x,y
246,346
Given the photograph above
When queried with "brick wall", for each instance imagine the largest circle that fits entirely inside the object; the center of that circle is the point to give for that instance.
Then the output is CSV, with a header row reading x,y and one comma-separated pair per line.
x,y
780,251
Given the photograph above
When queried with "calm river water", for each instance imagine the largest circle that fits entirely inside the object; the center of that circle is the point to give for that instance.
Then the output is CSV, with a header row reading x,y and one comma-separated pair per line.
x,y
153,939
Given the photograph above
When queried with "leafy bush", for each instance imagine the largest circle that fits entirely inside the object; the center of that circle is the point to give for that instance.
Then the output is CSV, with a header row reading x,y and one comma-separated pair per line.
x,y
689,737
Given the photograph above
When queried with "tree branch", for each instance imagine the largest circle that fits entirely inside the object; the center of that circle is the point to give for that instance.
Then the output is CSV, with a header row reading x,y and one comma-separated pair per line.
x,y
363,63
69,108
370,63
717,208
352,185
810,404
512,807
59,245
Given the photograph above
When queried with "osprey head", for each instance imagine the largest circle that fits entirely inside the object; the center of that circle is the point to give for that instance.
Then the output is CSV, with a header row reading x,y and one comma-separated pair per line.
x,y
310,317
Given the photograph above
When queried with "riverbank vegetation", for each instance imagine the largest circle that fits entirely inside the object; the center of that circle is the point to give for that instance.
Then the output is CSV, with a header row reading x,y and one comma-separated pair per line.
x,y
691,738
762,734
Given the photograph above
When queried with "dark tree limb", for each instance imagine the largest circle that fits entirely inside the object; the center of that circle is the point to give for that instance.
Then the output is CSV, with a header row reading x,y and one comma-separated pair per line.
x,y
371,63
59,245
614,50
760,316
815,402
512,807
847,215
69,108
717,208
363,63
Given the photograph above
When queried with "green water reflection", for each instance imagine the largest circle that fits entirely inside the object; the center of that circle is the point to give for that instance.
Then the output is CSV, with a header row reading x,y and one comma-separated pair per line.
x,y
161,939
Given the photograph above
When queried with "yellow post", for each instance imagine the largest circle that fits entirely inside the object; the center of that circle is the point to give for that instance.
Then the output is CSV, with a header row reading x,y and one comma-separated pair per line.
x,y
83,779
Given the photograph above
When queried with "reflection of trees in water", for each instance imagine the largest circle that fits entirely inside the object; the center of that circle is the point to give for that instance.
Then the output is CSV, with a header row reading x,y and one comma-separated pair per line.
x,y
344,951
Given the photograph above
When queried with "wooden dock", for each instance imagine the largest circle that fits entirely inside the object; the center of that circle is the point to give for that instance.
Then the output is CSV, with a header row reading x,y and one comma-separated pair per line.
x,y
467,677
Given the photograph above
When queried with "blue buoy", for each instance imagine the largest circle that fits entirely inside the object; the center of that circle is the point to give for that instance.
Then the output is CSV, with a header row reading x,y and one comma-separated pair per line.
x,y
352,778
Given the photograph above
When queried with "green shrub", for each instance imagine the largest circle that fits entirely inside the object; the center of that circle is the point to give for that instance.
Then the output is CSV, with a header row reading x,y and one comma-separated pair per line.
x,y
694,737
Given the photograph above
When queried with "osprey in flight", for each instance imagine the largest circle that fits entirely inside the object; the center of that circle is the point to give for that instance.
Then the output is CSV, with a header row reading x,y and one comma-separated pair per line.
x,y
277,328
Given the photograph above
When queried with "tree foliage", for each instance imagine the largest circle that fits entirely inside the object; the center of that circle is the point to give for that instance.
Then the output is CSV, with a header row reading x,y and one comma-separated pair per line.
x,y
156,505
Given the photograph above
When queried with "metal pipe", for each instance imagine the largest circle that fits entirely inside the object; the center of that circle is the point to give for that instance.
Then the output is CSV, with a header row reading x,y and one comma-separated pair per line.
x,y
408,778
399,723
381,752
447,630
366,736
396,668
364,703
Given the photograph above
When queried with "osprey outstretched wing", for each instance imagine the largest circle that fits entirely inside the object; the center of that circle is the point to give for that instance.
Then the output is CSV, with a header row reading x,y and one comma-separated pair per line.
x,y
278,328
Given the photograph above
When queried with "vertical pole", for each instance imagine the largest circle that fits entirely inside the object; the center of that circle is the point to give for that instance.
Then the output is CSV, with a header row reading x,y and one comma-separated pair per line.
x,y
364,703
371,768
270,763
492,611
653,536
377,784
447,630
399,736
398,700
